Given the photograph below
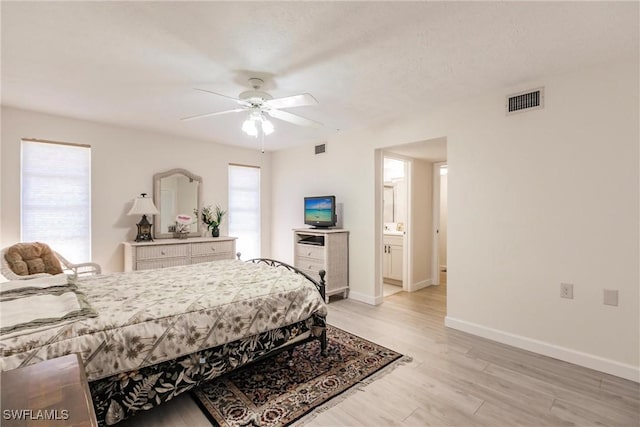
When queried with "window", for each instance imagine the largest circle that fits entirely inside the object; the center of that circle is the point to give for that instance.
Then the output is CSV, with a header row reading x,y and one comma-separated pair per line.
x,y
244,209
56,197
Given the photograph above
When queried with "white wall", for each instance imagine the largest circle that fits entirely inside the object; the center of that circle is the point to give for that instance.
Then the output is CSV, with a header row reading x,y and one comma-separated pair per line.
x,y
421,223
530,206
123,164
298,172
1,155
400,201
442,235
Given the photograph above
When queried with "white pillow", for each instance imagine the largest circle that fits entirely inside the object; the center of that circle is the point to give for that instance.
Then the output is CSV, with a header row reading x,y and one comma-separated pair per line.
x,y
3,279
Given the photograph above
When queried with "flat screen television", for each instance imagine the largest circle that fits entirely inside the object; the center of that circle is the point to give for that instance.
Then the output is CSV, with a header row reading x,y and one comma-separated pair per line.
x,y
320,212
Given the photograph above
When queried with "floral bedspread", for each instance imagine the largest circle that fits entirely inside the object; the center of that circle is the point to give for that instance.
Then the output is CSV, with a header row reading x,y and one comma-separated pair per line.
x,y
123,395
150,316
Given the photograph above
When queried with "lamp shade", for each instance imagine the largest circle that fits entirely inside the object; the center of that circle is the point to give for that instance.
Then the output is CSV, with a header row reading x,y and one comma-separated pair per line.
x,y
143,206
249,127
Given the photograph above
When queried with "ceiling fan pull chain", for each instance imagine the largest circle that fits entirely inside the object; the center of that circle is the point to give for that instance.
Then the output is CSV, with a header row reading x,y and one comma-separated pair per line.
x,y
262,138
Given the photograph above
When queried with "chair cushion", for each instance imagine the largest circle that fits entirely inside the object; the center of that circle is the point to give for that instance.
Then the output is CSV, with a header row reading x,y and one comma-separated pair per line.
x,y
32,258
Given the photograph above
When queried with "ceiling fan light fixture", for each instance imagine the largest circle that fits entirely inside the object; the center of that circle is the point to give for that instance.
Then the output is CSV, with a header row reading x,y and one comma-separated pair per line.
x,y
267,127
258,103
249,127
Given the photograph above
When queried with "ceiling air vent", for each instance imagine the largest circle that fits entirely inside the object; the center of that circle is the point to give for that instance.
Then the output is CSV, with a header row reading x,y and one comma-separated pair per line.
x,y
525,101
322,148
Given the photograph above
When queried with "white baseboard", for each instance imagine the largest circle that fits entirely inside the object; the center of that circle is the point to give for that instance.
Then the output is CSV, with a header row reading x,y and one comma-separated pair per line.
x,y
420,285
367,299
601,364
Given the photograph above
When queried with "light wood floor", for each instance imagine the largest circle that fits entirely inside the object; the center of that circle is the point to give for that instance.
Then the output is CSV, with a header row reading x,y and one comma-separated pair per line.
x,y
455,379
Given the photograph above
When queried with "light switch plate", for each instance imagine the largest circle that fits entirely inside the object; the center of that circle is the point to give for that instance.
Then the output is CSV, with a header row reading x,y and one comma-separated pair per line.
x,y
611,297
566,290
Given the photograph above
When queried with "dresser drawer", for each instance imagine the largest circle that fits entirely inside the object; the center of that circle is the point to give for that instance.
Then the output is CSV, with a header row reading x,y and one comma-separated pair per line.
x,y
161,263
310,251
162,251
310,264
210,248
175,252
214,257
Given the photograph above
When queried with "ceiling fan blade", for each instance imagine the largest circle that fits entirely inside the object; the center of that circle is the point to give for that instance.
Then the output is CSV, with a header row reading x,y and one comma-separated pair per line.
x,y
239,101
292,101
199,116
293,118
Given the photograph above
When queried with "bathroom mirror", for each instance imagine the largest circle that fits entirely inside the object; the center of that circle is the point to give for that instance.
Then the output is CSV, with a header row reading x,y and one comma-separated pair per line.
x,y
176,192
389,204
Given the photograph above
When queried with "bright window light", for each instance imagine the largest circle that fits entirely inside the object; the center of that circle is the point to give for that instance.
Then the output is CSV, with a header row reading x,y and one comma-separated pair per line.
x,y
244,209
56,197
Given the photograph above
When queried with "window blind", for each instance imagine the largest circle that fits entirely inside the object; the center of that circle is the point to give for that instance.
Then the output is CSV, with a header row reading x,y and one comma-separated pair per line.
x,y
244,209
56,197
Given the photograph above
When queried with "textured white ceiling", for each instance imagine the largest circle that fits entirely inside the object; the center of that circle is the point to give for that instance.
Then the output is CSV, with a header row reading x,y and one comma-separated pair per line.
x,y
135,64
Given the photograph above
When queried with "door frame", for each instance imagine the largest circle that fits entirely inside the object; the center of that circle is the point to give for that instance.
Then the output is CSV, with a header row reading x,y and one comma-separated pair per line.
x,y
407,255
435,266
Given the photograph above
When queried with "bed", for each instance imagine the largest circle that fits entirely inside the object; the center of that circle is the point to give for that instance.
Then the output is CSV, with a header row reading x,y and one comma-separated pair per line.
x,y
148,336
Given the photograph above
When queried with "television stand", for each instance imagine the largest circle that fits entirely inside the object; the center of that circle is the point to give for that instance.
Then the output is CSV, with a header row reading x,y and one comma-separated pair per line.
x,y
312,239
325,249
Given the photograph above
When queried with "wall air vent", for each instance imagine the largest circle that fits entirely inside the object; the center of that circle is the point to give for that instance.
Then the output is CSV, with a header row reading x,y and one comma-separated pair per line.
x,y
322,148
525,101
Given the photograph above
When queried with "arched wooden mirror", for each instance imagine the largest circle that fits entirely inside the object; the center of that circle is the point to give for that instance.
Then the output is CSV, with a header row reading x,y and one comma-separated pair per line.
x,y
176,192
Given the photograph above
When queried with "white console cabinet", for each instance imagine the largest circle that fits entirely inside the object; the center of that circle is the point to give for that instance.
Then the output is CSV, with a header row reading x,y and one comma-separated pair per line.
x,y
172,252
328,250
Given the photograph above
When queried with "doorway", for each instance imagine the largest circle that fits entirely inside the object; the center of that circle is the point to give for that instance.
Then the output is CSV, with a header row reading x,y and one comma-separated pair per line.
x,y
420,268
395,201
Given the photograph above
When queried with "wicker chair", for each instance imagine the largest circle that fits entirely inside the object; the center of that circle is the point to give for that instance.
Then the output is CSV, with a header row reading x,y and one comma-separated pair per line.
x,y
85,268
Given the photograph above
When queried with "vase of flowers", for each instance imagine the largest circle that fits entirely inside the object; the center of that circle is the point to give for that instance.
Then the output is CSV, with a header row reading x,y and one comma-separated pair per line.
x,y
183,226
212,218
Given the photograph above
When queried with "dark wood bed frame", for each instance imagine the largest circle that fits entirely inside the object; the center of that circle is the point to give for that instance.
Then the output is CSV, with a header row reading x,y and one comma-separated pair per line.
x,y
320,286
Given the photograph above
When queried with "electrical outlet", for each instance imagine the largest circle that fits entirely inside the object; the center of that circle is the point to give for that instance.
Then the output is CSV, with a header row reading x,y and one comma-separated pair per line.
x,y
566,290
610,297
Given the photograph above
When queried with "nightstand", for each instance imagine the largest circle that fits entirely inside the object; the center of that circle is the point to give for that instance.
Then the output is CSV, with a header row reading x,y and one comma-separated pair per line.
x,y
324,249
50,393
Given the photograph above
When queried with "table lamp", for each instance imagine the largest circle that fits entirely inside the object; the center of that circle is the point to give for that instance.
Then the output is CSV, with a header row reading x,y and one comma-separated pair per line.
x,y
143,206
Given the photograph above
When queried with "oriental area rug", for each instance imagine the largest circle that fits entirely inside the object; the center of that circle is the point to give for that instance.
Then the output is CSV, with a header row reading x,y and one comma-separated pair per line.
x,y
280,390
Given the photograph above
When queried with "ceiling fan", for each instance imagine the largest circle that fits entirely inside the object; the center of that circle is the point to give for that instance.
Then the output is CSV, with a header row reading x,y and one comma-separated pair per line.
x,y
258,103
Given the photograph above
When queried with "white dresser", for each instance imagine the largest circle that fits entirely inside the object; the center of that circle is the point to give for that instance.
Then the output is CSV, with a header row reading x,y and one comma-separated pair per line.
x,y
171,252
328,250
